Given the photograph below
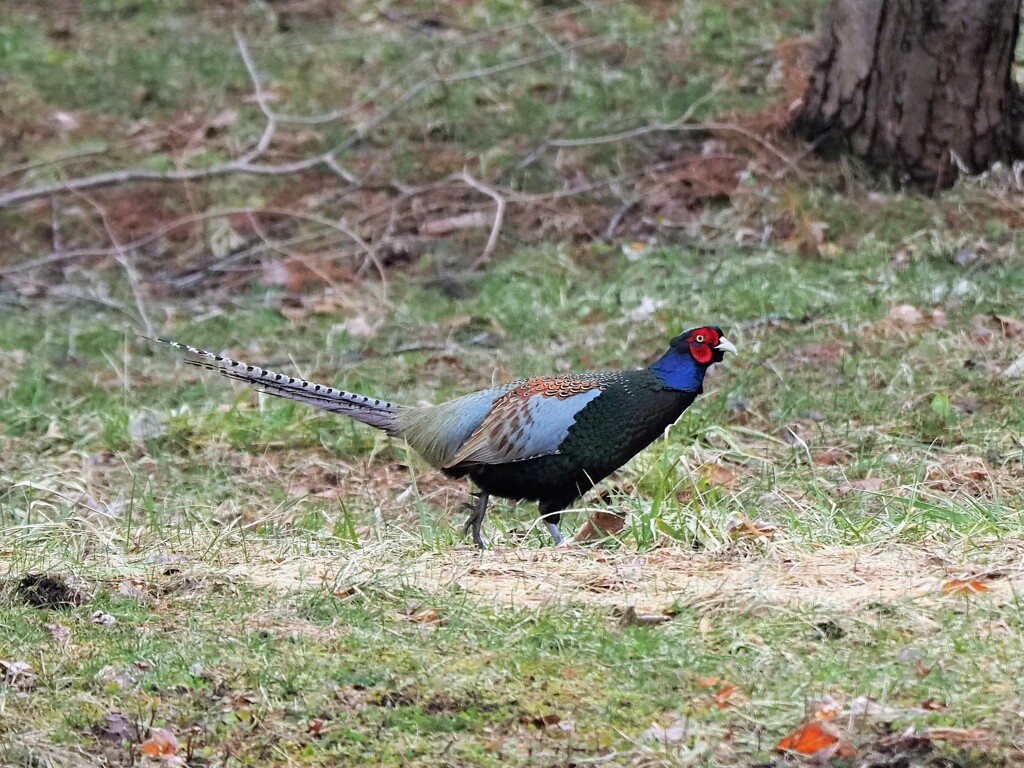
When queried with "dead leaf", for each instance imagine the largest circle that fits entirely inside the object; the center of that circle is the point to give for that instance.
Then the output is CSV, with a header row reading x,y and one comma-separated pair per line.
x,y
744,526
670,734
132,588
870,484
17,674
116,728
414,614
160,742
921,669
315,727
719,475
599,525
541,721
818,739
831,456
60,633
726,696
932,704
957,735
99,617
1011,327
905,314
963,587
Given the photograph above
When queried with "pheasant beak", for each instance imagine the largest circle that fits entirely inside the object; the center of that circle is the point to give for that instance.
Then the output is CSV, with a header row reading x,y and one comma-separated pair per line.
x,y
724,345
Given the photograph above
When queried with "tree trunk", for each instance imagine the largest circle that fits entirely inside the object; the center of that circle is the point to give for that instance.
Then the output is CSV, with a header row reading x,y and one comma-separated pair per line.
x,y
908,84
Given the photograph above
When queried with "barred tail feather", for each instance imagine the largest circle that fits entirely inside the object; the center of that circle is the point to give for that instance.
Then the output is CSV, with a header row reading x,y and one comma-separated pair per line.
x,y
368,410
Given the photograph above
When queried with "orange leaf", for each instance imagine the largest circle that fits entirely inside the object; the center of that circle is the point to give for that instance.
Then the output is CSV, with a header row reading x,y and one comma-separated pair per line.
x,y
428,616
160,742
814,737
721,697
963,587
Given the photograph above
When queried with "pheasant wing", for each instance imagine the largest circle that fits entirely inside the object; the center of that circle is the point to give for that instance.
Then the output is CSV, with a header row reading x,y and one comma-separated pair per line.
x,y
531,419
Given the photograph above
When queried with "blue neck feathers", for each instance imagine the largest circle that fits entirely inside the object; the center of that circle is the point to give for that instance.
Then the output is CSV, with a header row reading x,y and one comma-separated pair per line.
x,y
678,370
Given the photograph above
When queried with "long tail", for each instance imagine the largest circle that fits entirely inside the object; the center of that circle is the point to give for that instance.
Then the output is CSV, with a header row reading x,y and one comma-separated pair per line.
x,y
369,410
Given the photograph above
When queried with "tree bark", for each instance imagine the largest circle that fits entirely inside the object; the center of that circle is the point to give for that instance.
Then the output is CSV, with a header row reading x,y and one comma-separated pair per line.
x,y
909,84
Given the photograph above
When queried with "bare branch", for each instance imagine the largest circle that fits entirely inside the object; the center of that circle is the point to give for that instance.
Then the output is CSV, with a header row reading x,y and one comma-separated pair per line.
x,y
244,164
499,217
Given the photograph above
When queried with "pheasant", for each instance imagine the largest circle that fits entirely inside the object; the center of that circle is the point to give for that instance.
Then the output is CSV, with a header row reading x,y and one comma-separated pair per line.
x,y
547,439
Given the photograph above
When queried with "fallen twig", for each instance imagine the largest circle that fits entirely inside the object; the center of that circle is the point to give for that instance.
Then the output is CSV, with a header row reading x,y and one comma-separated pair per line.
x,y
499,217
244,164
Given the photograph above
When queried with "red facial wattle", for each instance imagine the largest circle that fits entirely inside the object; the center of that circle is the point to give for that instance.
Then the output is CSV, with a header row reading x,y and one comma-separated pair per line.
x,y
702,344
701,352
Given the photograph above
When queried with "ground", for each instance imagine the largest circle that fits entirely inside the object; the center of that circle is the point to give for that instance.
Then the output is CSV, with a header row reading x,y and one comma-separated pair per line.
x,y
826,547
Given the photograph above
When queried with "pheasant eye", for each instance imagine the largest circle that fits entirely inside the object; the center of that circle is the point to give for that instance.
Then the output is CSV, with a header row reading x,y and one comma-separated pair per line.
x,y
699,338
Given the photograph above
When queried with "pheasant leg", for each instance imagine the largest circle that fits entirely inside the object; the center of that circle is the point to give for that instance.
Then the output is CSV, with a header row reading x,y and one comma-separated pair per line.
x,y
555,534
476,519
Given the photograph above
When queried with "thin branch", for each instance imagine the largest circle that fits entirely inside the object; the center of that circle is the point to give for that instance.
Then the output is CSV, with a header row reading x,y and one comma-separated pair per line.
x,y
134,283
244,164
499,217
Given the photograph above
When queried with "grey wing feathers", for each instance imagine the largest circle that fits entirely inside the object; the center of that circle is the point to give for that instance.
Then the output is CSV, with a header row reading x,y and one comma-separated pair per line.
x,y
369,410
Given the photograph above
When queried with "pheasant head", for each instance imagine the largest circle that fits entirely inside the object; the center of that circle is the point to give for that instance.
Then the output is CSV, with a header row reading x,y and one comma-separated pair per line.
x,y
689,355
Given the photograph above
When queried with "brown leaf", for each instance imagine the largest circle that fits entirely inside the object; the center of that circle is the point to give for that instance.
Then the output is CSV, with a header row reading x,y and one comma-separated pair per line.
x,y
831,456
160,742
933,704
541,721
414,614
921,669
315,727
599,525
818,739
744,526
726,696
719,475
957,735
1011,327
870,484
963,587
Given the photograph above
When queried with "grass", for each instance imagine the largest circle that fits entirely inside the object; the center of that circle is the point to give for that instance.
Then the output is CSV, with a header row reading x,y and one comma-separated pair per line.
x,y
277,586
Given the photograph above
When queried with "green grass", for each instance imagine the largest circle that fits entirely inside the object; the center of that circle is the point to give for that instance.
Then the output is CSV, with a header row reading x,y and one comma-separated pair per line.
x,y
289,588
